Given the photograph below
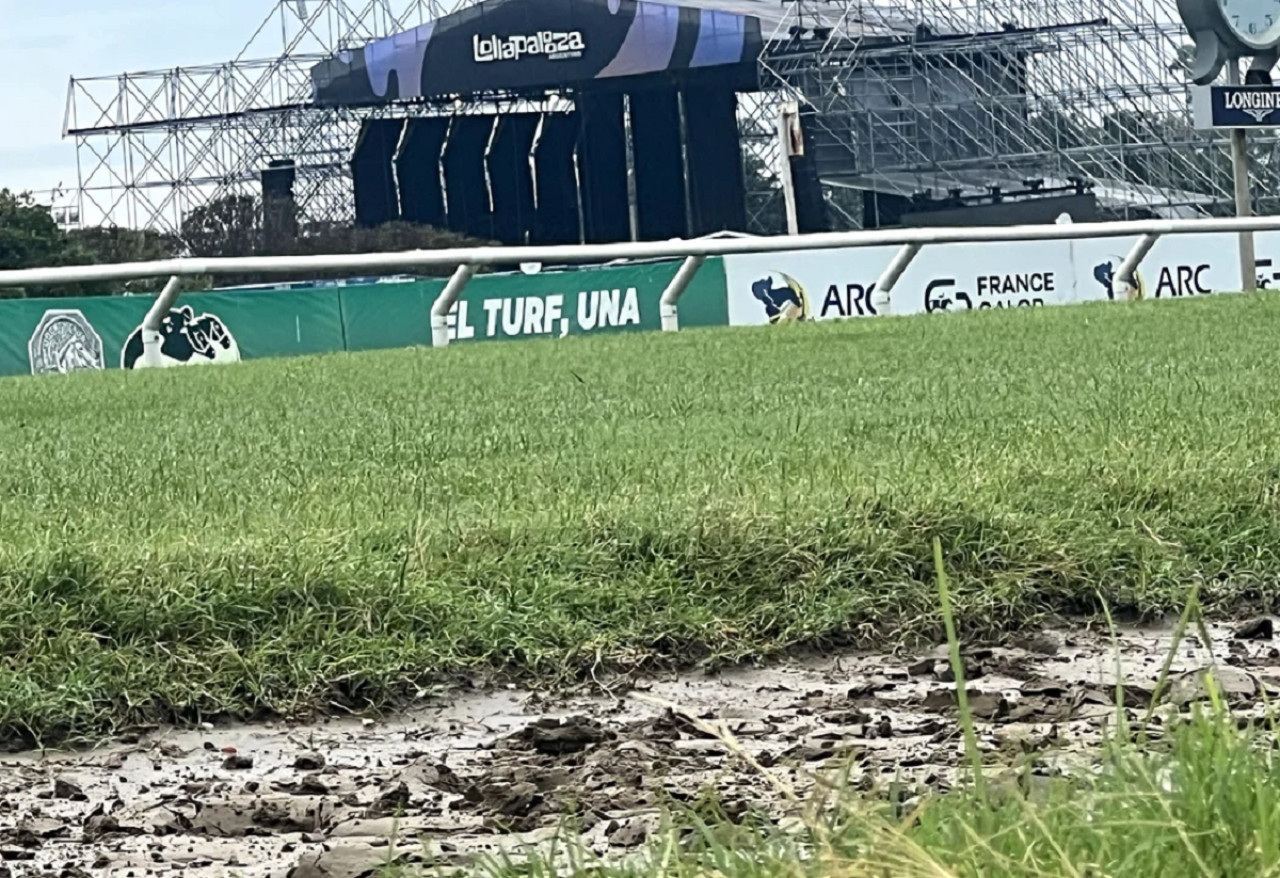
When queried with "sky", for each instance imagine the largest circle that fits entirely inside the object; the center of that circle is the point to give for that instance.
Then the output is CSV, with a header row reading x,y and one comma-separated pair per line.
x,y
46,42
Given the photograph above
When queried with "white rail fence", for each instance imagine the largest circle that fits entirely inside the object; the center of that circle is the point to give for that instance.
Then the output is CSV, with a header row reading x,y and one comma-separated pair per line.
x,y
466,262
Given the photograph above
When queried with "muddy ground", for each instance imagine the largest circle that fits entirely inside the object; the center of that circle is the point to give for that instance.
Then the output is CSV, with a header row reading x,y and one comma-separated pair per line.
x,y
483,772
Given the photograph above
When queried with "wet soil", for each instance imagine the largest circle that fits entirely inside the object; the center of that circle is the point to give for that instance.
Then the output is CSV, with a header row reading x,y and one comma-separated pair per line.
x,y
496,771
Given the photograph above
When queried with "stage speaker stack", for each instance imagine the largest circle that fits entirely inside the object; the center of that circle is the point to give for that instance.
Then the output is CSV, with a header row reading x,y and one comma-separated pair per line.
x,y
279,206
717,194
511,178
659,164
602,168
466,188
811,206
418,171
375,185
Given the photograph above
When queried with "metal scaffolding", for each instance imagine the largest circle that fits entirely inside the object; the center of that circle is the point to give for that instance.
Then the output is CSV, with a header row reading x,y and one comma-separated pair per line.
x,y
916,98
907,97
154,145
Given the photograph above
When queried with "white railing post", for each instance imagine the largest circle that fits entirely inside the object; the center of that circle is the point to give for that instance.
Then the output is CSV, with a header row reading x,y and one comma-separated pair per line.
x,y
1122,283
668,305
882,301
151,338
444,304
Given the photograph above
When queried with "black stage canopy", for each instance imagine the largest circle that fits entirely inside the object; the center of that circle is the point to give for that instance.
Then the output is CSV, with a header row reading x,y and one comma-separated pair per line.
x,y
529,45
647,148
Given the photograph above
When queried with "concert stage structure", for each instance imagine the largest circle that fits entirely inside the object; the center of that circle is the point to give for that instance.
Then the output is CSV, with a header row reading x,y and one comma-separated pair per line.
x,y
556,120
546,121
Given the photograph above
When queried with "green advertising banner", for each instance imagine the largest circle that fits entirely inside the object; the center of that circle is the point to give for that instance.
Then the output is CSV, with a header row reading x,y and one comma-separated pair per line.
x,y
283,323
43,336
395,315
546,304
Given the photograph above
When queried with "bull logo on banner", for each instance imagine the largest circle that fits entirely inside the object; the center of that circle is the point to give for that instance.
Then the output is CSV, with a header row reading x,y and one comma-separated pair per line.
x,y
186,339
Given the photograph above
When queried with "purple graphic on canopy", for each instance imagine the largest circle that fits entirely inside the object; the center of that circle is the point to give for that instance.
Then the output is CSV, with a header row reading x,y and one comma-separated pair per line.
x,y
526,45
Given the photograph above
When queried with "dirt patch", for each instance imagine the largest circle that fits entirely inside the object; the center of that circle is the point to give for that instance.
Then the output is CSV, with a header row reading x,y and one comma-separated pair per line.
x,y
484,772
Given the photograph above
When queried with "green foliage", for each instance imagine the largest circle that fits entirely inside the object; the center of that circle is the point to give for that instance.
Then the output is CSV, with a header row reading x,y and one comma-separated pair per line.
x,y
230,226
226,227
29,238
389,237
234,226
112,244
284,533
28,235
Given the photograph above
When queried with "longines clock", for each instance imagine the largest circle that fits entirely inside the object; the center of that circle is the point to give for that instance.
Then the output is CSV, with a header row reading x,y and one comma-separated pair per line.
x,y
1224,30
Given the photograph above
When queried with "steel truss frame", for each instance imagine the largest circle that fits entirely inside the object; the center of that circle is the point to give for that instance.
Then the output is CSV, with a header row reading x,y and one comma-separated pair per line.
x,y
154,145
1104,99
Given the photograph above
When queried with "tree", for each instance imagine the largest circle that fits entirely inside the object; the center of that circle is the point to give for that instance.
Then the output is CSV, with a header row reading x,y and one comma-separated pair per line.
x,y
386,238
111,244
235,226
29,238
229,226
28,235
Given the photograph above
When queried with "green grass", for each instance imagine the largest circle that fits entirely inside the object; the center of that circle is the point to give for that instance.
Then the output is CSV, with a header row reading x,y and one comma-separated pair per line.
x,y
280,534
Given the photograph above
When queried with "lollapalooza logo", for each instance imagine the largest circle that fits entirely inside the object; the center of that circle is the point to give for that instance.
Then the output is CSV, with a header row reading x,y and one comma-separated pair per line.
x,y
554,45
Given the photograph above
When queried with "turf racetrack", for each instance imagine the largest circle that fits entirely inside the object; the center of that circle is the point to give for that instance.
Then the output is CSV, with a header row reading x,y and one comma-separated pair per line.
x,y
285,534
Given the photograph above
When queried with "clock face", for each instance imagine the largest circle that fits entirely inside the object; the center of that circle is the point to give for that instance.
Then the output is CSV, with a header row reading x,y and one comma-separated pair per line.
x,y
1255,22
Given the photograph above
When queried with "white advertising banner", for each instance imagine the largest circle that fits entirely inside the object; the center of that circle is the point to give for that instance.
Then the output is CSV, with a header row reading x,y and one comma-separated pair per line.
x,y
964,277
812,285
1178,265
1266,246
840,284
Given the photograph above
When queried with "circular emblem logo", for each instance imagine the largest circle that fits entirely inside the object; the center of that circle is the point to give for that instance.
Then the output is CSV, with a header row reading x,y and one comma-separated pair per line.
x,y
783,297
1104,274
65,341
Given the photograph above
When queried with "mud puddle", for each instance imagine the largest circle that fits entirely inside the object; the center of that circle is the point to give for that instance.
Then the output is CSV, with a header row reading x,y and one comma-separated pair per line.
x,y
488,772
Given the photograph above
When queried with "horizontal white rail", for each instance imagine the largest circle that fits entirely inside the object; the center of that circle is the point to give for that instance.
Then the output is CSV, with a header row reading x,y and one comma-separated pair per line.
x,y
464,261
581,253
